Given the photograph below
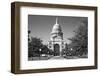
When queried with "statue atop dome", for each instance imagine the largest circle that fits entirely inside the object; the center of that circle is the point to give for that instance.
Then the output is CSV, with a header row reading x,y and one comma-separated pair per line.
x,y
56,20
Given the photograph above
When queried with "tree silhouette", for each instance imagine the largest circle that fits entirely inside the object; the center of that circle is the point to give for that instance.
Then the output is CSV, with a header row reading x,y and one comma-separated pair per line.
x,y
80,40
34,47
44,49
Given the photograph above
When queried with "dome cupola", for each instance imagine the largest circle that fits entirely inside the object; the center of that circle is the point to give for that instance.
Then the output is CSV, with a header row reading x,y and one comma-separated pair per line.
x,y
56,31
56,27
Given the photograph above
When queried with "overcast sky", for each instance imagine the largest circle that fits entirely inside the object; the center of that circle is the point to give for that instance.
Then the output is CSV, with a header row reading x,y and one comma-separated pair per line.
x,y
41,26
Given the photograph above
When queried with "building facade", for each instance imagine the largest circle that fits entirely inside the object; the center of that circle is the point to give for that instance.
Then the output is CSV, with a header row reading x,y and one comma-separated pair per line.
x,y
56,43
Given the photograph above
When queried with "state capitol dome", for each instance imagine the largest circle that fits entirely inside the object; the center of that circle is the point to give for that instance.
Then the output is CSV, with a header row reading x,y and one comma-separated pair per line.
x,y
56,31
56,28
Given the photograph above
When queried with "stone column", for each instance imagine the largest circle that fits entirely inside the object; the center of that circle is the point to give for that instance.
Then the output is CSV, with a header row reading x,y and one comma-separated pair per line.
x,y
60,49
